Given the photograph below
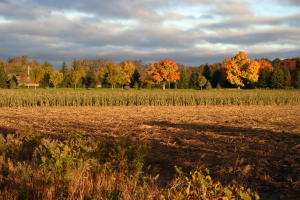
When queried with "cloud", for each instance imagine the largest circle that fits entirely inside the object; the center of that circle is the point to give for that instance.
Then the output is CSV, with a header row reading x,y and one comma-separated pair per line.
x,y
189,31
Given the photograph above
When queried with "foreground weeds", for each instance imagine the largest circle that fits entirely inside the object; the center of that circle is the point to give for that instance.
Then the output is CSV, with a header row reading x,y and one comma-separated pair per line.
x,y
79,167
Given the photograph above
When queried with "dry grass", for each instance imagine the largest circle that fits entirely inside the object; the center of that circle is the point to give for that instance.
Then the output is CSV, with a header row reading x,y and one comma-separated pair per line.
x,y
259,145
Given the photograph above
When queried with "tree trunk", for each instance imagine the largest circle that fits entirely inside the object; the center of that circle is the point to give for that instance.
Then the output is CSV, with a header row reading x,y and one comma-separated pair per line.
x,y
239,87
164,85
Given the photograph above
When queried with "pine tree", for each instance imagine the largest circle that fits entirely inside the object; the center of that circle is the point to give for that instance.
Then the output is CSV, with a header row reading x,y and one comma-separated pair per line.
x,y
298,63
264,78
193,83
207,72
216,78
3,76
208,85
90,80
64,70
183,81
13,82
135,79
277,78
297,79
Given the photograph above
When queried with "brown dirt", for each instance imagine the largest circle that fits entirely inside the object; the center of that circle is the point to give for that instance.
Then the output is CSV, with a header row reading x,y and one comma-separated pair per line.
x,y
256,145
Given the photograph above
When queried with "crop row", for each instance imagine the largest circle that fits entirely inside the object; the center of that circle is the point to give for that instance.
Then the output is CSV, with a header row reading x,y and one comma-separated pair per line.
x,y
19,98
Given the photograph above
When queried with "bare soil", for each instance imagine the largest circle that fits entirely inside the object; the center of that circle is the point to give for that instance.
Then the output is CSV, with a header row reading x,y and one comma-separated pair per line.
x,y
256,145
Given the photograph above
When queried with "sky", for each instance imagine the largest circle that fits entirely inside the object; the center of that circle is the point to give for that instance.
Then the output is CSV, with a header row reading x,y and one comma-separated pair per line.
x,y
189,31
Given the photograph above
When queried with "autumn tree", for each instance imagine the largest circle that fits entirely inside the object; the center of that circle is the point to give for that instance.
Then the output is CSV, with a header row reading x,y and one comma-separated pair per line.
x,y
56,78
76,77
46,69
163,71
36,75
75,66
241,70
112,73
201,81
263,63
102,74
264,74
3,76
127,68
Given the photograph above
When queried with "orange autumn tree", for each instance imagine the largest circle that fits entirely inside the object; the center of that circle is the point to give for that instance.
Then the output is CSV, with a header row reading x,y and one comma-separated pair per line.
x,y
163,71
241,69
264,64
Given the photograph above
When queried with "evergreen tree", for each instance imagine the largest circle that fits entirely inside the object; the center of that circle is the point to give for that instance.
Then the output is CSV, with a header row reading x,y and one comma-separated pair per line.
x,y
207,72
277,78
208,85
13,82
276,62
298,63
264,78
297,79
219,86
64,70
183,81
3,76
90,80
216,78
193,83
135,79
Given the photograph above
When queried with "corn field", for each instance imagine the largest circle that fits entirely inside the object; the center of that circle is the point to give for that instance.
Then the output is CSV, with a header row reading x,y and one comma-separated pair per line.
x,y
28,98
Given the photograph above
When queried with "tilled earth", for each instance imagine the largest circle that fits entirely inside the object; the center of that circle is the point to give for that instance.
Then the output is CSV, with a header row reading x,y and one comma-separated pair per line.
x,y
256,145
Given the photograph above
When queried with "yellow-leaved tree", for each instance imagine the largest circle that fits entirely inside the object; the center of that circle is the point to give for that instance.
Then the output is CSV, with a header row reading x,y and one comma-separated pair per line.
x,y
56,77
240,69
127,68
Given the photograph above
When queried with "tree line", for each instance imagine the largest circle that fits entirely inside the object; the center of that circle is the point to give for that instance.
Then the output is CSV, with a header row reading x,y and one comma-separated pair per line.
x,y
238,71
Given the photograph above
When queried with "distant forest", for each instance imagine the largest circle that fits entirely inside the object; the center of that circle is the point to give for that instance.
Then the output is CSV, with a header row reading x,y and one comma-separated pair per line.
x,y
234,72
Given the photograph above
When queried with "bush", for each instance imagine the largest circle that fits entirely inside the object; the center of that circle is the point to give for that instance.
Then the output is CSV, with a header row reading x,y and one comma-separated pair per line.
x,y
80,167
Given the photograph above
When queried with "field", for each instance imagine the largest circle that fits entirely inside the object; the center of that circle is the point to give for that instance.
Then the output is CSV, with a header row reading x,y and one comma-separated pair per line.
x,y
117,97
256,145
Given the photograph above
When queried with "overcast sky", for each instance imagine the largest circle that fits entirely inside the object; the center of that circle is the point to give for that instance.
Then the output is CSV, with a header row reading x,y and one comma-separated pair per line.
x,y
188,31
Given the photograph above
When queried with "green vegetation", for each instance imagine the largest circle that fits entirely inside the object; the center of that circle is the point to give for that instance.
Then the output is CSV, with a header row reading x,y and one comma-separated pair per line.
x,y
80,167
105,97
